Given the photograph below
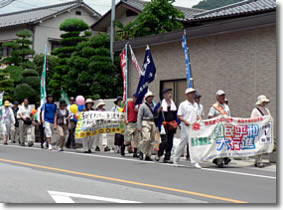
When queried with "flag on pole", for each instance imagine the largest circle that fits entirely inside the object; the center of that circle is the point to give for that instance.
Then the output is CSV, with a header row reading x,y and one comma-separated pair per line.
x,y
188,62
134,59
147,76
124,74
64,97
43,80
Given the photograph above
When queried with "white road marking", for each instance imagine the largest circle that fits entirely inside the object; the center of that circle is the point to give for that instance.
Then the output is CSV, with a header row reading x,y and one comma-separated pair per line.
x,y
148,162
64,197
240,173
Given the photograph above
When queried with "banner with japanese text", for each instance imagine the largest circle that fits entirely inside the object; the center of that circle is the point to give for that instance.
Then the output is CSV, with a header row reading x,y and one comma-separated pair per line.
x,y
230,137
91,123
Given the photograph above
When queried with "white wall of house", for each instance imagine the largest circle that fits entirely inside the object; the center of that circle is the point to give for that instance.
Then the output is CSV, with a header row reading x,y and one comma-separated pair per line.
x,y
50,29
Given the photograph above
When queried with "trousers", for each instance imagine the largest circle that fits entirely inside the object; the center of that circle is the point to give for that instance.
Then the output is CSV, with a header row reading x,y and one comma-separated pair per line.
x,y
166,145
148,137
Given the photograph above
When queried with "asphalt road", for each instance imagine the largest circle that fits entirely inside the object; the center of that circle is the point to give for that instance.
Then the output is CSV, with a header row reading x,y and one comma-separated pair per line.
x,y
34,175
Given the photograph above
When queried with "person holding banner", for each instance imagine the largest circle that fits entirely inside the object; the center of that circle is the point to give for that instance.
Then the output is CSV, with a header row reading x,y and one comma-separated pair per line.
x,y
259,111
168,121
16,131
132,134
188,113
48,115
99,107
220,108
146,126
8,121
88,141
72,126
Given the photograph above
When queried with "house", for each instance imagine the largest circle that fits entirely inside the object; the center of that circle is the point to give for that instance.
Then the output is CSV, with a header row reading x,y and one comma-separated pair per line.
x,y
44,22
231,48
128,10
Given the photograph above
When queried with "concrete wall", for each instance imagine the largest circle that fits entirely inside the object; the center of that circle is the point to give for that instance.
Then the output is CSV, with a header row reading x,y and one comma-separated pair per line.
x,y
50,29
243,64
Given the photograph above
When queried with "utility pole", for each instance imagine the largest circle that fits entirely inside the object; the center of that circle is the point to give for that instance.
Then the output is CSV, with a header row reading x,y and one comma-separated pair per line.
x,y
112,32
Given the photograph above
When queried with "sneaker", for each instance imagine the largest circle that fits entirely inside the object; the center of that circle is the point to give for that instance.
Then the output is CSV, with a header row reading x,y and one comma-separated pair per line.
x,y
50,147
97,149
30,144
106,149
175,163
157,158
227,161
196,165
167,161
147,158
44,144
60,150
259,165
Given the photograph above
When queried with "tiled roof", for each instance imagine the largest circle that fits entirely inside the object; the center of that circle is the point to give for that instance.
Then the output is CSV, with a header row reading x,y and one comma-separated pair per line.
x,y
35,15
240,8
139,5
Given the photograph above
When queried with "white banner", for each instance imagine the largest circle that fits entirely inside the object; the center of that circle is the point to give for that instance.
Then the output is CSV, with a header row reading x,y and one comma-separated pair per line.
x,y
91,123
230,137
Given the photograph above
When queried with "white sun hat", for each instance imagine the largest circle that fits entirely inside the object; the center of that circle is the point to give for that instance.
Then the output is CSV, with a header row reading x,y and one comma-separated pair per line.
x,y
261,99
190,90
220,92
149,93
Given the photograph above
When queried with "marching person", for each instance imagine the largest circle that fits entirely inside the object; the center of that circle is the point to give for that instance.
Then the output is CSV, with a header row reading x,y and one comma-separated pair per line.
x,y
167,115
8,121
48,115
220,108
132,134
188,113
72,126
200,106
25,124
146,126
259,111
41,128
16,132
118,137
88,141
99,107
61,123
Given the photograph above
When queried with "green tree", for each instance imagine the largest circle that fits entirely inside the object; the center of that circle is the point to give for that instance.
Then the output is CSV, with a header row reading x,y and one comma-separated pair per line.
x,y
29,86
20,49
7,85
158,16
92,73
73,28
212,4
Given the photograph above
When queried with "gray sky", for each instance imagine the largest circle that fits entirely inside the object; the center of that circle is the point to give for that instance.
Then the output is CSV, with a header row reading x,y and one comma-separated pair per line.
x,y
100,6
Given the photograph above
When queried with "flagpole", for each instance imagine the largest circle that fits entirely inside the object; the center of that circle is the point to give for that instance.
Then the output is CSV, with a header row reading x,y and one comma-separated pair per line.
x,y
127,78
188,60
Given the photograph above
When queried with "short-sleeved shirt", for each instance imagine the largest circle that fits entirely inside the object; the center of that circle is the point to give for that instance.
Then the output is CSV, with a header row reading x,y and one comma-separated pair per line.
x,y
25,111
189,111
132,114
256,113
62,116
49,112
214,112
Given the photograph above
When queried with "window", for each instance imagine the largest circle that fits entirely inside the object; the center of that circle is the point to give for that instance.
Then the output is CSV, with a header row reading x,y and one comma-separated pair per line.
x,y
5,51
178,89
78,13
54,44
130,13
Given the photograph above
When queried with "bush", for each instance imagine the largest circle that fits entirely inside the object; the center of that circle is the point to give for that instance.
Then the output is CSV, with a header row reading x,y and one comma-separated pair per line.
x,y
23,91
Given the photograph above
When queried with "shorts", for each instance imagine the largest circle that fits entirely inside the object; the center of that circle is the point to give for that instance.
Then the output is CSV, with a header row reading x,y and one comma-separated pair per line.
x,y
48,129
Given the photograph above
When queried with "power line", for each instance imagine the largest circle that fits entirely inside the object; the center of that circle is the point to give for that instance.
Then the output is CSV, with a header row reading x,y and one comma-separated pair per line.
x,y
4,3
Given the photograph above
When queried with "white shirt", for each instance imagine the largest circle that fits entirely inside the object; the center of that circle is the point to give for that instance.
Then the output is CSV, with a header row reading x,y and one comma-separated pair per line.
x,y
188,111
25,111
214,112
255,113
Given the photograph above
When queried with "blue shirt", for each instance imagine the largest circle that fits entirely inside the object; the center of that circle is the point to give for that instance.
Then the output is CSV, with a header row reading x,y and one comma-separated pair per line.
x,y
49,112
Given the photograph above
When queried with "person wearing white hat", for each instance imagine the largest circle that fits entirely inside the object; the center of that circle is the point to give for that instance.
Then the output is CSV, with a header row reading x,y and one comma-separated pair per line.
x,y
98,138
259,111
220,108
8,121
146,126
188,113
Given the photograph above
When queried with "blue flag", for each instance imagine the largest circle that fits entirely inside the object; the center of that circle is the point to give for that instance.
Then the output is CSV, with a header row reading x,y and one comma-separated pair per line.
x,y
188,62
147,76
